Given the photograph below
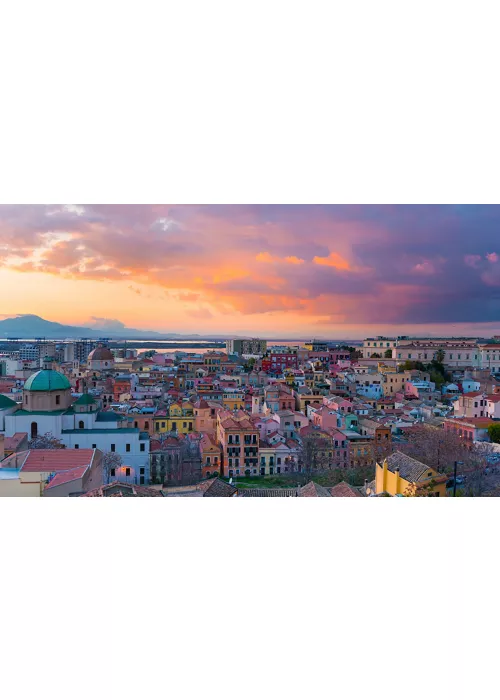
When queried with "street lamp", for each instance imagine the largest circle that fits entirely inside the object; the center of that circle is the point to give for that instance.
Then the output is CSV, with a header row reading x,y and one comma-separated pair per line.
x,y
455,478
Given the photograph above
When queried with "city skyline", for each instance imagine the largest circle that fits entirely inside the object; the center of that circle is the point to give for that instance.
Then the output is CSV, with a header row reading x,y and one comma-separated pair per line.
x,y
331,271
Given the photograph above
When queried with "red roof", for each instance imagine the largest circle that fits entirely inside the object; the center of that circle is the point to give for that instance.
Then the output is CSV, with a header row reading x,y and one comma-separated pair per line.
x,y
64,477
56,460
344,489
12,442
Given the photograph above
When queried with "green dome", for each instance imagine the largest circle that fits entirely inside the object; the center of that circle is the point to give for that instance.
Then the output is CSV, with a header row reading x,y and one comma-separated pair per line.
x,y
47,380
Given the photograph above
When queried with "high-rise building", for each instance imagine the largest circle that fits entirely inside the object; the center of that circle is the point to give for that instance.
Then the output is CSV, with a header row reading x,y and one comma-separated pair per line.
x,y
78,350
246,346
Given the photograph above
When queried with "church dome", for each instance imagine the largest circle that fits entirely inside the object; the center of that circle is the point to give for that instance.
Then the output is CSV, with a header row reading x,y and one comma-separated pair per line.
x,y
101,354
47,380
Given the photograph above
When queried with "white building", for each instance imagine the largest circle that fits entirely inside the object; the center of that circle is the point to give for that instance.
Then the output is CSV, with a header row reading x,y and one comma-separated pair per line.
x,y
378,346
48,407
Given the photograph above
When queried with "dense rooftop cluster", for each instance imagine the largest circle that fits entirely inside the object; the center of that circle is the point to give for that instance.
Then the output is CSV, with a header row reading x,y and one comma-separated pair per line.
x,y
311,419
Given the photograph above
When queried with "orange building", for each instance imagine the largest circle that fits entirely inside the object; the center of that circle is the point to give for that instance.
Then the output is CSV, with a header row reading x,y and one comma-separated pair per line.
x,y
211,456
239,441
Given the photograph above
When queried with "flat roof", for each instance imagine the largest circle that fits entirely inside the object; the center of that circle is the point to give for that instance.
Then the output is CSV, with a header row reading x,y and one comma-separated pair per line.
x,y
6,474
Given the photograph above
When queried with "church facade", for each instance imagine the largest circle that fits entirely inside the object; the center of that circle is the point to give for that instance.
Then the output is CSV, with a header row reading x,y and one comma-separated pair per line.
x,y
49,407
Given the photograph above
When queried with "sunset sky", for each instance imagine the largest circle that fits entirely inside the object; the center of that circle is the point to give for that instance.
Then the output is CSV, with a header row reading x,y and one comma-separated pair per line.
x,y
332,271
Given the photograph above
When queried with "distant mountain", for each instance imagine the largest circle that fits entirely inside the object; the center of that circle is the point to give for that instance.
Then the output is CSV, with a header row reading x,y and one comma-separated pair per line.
x,y
31,326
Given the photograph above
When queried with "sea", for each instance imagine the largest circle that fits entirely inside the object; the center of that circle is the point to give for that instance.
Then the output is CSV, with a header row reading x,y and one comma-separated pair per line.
x,y
200,351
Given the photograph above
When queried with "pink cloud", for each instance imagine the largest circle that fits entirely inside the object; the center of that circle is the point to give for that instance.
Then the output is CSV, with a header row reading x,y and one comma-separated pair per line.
x,y
472,260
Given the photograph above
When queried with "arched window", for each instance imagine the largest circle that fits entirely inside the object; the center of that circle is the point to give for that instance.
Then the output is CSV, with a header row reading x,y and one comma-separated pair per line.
x,y
81,425
34,430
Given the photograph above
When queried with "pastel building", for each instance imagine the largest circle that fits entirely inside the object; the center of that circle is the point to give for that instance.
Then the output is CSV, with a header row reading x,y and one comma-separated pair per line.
x,y
49,407
238,437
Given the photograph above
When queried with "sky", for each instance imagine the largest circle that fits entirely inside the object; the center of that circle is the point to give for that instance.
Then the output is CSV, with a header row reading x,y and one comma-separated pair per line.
x,y
289,271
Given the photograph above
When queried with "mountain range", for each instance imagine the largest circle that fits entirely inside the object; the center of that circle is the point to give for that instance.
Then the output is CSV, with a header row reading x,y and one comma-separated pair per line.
x,y
31,326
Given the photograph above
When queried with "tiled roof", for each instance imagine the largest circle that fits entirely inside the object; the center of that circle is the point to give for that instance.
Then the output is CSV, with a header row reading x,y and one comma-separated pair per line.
x,y
344,489
272,493
12,442
66,476
313,489
409,469
117,488
56,460
217,487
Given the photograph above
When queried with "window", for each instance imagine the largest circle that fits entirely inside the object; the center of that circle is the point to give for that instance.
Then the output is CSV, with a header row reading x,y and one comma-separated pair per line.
x,y
142,470
26,399
77,447
174,426
34,430
163,424
157,426
127,447
141,480
94,447
81,425
136,424
112,472
127,471
58,399
143,447
113,447
146,425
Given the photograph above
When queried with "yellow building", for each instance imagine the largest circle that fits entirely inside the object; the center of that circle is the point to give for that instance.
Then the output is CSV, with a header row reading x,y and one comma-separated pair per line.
x,y
178,418
306,399
233,401
400,475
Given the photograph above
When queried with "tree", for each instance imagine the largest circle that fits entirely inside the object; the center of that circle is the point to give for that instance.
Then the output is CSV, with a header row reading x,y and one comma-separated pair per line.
x,y
439,356
110,460
494,432
440,449
375,355
45,442
314,453
355,353
388,353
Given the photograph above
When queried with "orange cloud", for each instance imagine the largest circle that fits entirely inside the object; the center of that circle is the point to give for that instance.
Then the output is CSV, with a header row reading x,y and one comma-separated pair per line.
x,y
333,260
264,257
294,260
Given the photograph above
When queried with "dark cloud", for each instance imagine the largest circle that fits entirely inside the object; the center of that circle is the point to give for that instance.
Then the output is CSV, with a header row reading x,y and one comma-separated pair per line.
x,y
406,264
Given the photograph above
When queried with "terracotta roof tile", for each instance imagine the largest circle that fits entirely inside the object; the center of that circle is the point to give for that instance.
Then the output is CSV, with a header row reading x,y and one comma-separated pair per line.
x,y
56,460
117,488
313,489
344,489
